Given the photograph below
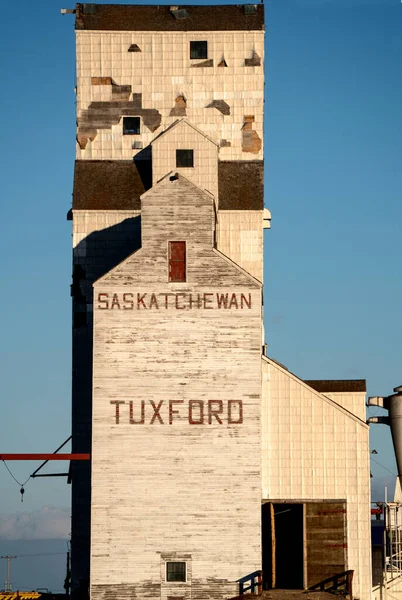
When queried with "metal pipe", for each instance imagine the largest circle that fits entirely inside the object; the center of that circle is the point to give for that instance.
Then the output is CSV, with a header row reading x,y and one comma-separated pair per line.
x,y
45,456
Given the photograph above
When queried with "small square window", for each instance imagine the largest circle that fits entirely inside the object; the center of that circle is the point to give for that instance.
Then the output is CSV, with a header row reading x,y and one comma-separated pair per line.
x,y
131,125
184,158
175,571
198,50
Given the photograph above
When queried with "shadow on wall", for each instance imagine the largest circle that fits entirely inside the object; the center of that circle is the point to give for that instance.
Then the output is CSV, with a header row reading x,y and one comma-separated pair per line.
x,y
100,252
94,256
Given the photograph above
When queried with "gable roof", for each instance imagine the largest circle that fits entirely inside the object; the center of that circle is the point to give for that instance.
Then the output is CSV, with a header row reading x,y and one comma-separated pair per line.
x,y
115,17
320,396
179,122
173,176
180,179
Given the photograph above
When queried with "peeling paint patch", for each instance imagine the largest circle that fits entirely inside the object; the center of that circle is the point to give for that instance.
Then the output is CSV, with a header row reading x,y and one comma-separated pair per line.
x,y
134,48
121,92
220,105
102,115
224,144
251,140
204,63
85,135
255,61
101,81
179,110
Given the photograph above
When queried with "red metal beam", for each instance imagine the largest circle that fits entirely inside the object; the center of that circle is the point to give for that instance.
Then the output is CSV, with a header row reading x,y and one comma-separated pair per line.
x,y
45,456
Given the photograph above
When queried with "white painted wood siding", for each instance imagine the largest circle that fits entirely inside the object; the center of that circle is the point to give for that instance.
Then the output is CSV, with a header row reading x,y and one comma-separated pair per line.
x,y
180,489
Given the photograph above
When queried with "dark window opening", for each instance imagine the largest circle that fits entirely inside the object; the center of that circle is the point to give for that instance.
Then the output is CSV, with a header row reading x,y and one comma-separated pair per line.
x,y
177,263
131,125
184,158
198,50
175,571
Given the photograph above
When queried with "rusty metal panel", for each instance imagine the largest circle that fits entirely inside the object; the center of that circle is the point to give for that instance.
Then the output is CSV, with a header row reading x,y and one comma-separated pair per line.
x,y
326,540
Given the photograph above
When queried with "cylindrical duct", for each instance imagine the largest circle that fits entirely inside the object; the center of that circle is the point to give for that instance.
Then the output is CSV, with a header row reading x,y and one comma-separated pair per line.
x,y
395,417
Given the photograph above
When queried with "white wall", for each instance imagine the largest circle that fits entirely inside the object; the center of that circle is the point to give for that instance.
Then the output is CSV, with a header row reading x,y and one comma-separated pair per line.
x,y
355,402
204,173
161,72
190,491
313,449
240,236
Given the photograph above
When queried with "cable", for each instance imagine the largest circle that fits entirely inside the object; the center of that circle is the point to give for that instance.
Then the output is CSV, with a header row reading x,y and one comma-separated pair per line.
x,y
40,554
16,480
378,463
22,491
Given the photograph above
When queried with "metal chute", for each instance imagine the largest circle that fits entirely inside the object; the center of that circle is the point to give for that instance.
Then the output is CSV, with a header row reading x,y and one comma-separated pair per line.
x,y
393,404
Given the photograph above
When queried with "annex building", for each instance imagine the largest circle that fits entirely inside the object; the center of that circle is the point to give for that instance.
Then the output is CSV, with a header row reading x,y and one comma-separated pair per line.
x,y
210,460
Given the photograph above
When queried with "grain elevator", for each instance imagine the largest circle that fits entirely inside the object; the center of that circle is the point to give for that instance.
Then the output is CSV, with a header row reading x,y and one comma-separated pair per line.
x,y
198,439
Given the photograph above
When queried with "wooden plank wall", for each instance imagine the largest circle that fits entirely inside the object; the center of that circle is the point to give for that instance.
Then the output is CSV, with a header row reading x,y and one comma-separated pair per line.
x,y
170,484
326,540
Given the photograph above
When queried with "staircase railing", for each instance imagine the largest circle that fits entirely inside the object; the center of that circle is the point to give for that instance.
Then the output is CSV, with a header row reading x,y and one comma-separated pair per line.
x,y
342,581
255,585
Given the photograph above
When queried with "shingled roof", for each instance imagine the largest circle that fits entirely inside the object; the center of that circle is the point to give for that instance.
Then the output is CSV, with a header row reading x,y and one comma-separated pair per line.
x,y
119,17
107,185
337,385
241,185
118,184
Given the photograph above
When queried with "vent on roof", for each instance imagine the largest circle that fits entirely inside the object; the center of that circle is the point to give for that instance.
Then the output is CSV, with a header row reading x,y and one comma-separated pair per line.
x,y
179,13
137,145
89,9
250,9
223,63
134,48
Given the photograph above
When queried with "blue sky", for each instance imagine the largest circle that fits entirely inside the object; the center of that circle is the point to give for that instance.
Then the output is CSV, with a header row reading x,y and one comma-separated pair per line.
x,y
333,183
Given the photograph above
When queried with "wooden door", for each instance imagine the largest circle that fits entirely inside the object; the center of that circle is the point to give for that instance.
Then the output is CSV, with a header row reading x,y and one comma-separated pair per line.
x,y
325,540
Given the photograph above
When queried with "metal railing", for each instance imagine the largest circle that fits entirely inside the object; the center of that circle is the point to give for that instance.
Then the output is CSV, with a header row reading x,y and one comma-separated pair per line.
x,y
342,581
255,585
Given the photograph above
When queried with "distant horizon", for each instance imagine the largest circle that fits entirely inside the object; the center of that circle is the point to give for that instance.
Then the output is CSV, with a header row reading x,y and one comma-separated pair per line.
x,y
40,563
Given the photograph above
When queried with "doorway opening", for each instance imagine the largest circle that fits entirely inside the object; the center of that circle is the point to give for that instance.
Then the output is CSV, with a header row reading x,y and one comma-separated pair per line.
x,y
283,546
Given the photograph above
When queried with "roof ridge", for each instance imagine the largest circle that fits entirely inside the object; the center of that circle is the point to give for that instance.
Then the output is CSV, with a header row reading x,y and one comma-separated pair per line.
x,y
339,407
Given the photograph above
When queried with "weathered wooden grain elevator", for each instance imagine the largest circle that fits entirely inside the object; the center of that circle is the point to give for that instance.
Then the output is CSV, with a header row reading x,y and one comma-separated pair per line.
x,y
197,438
